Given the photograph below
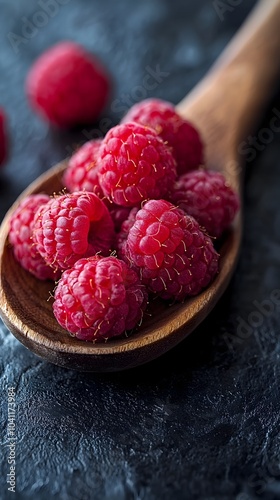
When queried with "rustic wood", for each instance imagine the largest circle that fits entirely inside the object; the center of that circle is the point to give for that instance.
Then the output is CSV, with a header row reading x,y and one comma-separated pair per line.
x,y
225,107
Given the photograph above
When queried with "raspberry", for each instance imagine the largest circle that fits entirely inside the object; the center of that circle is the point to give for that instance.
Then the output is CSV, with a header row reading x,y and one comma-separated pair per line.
x,y
99,298
173,256
73,226
178,133
3,137
124,230
67,85
20,236
135,165
81,173
208,198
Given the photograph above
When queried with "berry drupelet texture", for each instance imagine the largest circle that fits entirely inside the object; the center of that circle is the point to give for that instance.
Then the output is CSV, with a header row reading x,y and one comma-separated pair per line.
x,y
73,226
21,237
67,85
135,165
208,198
124,230
178,133
99,298
81,172
173,257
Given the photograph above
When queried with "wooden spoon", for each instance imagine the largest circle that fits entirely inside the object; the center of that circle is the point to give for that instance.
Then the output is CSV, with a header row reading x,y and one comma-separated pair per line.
x,y
225,107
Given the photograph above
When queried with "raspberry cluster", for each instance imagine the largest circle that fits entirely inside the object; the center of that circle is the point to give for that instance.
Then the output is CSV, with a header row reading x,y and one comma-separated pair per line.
x,y
140,219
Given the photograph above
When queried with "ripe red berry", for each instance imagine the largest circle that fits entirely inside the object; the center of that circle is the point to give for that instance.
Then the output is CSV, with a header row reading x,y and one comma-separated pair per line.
x,y
67,85
73,226
173,256
124,230
21,237
99,298
208,198
178,133
81,172
135,165
3,138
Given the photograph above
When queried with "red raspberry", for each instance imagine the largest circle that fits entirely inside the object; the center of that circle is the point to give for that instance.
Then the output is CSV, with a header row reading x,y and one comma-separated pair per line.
x,y
124,230
20,236
174,257
3,137
67,85
81,173
99,298
73,226
135,165
208,198
172,128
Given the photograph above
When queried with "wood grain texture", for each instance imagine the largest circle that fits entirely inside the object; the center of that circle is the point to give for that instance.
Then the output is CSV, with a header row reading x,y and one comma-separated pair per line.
x,y
228,103
225,107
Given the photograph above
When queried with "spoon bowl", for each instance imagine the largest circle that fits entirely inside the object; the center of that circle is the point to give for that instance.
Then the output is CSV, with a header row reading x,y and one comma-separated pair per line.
x,y
224,107
27,311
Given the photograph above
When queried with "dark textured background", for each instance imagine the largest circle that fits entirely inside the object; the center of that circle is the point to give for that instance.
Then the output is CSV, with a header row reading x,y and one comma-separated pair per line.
x,y
203,421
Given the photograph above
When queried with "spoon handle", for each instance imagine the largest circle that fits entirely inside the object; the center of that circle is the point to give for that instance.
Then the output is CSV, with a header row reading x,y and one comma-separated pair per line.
x,y
228,102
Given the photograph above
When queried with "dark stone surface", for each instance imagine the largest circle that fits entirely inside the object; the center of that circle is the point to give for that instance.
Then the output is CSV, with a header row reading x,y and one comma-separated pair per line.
x,y
203,421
